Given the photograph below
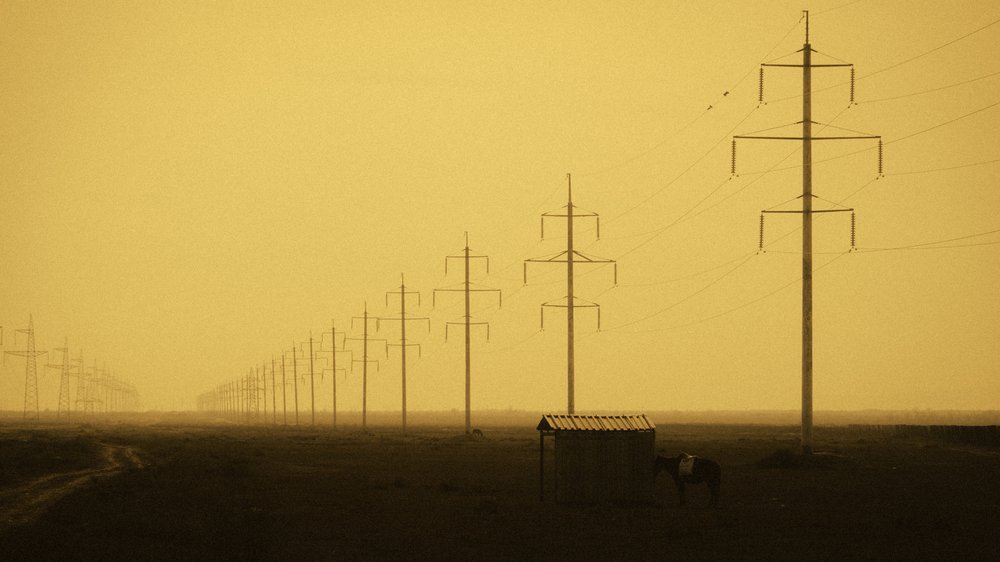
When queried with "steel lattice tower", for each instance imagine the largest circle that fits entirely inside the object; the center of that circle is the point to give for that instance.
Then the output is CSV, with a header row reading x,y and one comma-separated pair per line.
x,y
30,370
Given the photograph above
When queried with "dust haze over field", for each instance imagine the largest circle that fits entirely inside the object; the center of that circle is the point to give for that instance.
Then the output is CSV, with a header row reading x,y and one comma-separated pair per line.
x,y
196,193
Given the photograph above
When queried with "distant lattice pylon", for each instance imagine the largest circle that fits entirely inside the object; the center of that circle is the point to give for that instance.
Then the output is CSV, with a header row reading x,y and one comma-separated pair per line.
x,y
64,382
30,370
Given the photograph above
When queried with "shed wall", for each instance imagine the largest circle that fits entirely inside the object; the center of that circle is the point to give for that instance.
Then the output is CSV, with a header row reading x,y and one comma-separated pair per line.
x,y
598,466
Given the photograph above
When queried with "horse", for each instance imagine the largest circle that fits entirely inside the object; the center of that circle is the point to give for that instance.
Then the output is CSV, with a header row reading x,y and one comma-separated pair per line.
x,y
700,470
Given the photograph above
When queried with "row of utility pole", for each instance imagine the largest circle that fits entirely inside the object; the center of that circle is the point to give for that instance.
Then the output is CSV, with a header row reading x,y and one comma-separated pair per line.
x,y
571,257
97,390
241,398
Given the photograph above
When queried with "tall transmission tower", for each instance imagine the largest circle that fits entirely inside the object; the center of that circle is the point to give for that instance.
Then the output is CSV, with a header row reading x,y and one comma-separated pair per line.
x,y
263,385
284,390
466,256
64,380
81,383
807,212
89,378
365,360
570,257
295,381
253,404
402,319
274,396
333,360
30,370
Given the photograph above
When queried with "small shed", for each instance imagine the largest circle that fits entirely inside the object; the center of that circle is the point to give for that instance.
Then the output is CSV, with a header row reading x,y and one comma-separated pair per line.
x,y
599,458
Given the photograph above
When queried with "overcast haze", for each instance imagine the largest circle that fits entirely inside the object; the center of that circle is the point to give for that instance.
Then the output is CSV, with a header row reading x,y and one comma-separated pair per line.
x,y
189,187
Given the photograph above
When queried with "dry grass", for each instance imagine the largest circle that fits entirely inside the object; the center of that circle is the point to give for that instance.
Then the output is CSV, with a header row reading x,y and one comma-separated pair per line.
x,y
228,492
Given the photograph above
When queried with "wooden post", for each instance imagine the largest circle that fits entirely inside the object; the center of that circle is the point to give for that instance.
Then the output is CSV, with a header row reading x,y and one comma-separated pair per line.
x,y
541,466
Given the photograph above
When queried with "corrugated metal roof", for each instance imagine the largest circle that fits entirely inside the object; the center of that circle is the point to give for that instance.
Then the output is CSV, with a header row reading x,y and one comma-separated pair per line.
x,y
564,422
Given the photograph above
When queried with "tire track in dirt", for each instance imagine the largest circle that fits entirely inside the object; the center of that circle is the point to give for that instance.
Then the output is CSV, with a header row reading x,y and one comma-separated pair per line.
x,y
23,504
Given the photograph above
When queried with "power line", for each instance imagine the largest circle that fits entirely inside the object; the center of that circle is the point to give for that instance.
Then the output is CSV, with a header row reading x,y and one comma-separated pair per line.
x,y
935,49
735,308
948,122
683,277
686,170
898,64
960,166
938,89
697,118
933,245
745,259
888,142
853,2
655,233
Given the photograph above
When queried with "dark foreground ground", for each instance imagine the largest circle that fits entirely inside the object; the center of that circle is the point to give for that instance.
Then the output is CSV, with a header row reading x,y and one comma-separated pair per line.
x,y
217,492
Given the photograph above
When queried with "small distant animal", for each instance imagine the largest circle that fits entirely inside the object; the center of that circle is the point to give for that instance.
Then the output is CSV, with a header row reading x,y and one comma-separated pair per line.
x,y
477,433
687,469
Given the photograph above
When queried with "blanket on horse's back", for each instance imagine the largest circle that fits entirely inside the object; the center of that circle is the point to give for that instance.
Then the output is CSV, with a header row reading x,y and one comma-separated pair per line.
x,y
686,466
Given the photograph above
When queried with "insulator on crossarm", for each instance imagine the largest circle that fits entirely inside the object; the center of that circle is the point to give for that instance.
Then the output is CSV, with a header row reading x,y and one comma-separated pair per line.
x,y
760,87
853,238
760,239
880,174
732,167
852,86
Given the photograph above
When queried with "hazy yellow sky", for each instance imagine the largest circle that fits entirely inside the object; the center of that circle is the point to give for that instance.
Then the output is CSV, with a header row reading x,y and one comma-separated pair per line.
x,y
190,187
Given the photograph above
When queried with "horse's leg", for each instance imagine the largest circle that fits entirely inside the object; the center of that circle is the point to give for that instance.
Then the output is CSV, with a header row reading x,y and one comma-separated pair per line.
x,y
680,490
713,485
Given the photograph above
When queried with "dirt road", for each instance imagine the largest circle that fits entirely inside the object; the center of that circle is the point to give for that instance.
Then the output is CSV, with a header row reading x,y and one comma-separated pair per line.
x,y
21,505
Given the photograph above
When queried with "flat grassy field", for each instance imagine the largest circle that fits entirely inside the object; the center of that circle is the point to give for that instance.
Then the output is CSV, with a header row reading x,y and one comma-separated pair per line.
x,y
230,492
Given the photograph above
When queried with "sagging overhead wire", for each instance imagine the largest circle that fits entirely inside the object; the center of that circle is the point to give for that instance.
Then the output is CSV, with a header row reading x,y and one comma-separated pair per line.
x,y
895,65
731,310
935,49
746,258
932,90
697,118
936,245
946,168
